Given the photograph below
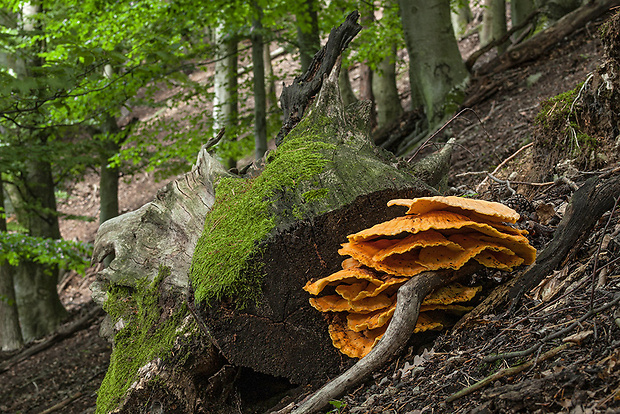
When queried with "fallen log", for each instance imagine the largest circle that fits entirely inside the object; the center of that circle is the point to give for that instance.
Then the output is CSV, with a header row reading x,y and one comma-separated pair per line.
x,y
544,40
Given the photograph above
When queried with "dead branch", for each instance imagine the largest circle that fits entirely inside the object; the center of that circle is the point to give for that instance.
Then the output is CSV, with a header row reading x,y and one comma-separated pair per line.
x,y
298,96
508,372
587,205
471,60
503,163
410,296
594,197
552,336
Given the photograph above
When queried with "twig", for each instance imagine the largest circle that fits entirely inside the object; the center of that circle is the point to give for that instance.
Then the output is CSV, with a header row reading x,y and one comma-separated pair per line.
x,y
598,251
507,160
442,128
550,337
504,182
507,372
63,403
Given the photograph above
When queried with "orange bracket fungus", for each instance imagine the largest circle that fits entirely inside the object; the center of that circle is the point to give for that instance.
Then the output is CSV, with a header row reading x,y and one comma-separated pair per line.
x,y
401,275
435,233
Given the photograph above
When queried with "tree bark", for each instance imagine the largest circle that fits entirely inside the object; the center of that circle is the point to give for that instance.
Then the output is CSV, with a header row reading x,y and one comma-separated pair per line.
x,y
385,90
346,90
108,178
10,334
494,23
461,17
225,81
260,98
436,68
272,98
39,307
519,12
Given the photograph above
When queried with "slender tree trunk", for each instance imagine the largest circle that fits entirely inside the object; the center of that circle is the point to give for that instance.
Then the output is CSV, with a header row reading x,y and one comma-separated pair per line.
x,y
520,10
108,178
260,99
494,23
385,90
346,90
39,307
461,16
10,332
225,103
272,98
366,73
436,67
307,32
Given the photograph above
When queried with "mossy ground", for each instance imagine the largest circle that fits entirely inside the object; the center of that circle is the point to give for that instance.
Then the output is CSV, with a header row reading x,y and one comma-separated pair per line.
x,y
147,335
241,217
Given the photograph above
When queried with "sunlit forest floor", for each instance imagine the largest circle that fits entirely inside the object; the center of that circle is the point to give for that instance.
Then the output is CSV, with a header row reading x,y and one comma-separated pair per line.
x,y
584,380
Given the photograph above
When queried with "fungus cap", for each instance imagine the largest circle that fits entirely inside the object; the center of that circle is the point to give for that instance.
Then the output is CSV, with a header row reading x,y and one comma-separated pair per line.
x,y
349,275
485,209
336,303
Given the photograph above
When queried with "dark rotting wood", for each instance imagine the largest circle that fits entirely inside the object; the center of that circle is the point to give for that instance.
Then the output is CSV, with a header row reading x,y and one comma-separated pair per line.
x,y
298,96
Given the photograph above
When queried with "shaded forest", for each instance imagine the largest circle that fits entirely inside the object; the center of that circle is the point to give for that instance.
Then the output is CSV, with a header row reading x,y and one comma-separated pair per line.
x,y
511,102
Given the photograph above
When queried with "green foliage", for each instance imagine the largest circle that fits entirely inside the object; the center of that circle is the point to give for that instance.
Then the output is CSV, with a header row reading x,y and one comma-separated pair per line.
x,y
241,218
15,247
147,334
339,406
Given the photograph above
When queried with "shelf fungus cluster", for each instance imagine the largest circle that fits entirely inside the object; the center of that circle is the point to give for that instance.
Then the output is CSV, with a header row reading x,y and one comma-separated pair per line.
x,y
435,233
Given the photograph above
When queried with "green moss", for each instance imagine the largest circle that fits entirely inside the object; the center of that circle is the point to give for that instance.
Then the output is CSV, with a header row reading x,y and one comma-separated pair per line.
x,y
314,195
558,109
147,335
241,217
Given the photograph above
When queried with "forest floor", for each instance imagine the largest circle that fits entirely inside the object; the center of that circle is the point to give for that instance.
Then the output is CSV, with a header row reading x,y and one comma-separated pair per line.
x,y
582,377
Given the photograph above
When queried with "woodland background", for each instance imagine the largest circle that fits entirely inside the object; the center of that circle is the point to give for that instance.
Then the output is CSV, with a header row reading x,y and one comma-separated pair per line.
x,y
101,99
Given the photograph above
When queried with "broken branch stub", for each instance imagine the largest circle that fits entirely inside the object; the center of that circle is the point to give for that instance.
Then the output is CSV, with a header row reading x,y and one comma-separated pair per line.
x,y
297,97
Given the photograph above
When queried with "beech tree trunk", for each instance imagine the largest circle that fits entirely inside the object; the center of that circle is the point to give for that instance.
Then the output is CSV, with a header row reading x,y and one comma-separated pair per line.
x,y
494,23
436,68
10,333
39,307
461,16
307,32
385,90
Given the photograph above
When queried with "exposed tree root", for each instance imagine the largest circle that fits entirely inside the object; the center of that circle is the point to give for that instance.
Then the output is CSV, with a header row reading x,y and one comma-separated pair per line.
x,y
410,296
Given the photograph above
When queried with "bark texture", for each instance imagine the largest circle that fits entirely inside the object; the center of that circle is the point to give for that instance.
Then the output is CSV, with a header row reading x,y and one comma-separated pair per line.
x,y
11,335
436,67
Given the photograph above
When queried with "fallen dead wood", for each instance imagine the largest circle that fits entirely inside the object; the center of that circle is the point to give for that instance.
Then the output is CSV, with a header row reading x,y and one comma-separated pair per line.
x,y
471,60
587,205
63,333
410,296
541,42
298,96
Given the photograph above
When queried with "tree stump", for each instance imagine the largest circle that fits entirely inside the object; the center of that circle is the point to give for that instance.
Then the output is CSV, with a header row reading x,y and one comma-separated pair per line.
x,y
239,314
